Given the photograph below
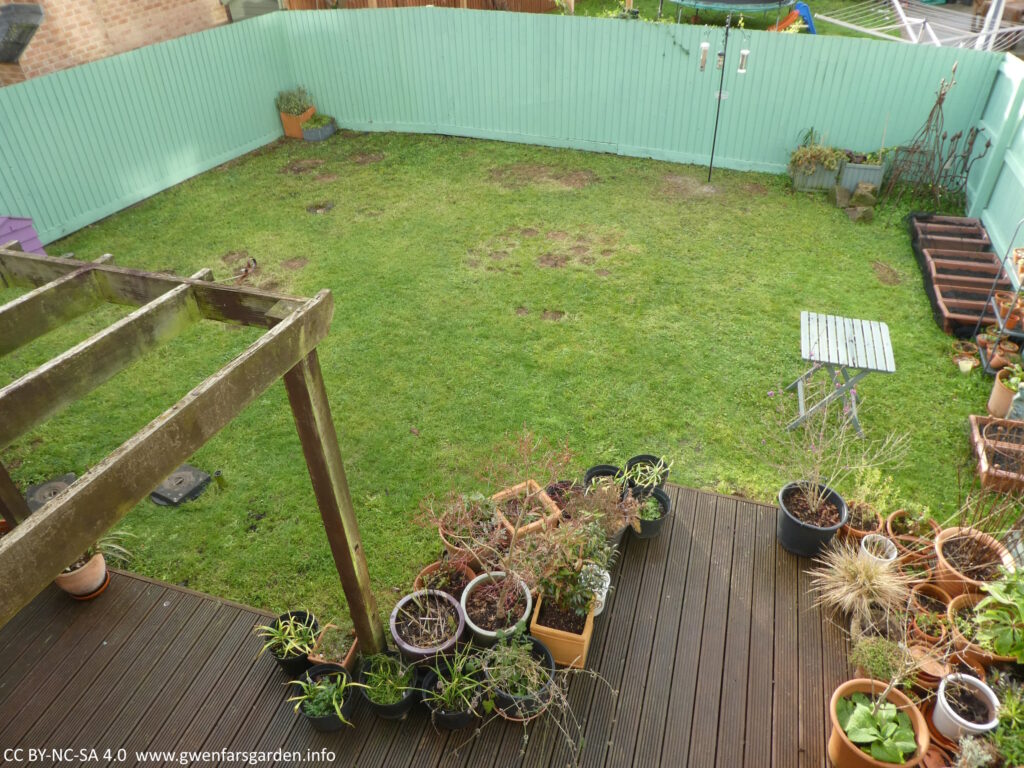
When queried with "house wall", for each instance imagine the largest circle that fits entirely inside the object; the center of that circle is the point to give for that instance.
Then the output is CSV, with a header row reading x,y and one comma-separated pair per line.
x,y
78,31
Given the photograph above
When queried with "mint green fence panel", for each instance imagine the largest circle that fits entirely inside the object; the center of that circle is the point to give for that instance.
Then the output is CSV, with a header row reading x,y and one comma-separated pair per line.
x,y
81,144
996,191
631,88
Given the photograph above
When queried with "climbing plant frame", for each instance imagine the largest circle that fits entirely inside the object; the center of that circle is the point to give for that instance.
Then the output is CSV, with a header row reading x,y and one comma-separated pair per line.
x,y
41,544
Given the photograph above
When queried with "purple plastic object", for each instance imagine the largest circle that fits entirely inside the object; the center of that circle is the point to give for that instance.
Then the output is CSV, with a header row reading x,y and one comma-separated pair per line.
x,y
415,653
22,230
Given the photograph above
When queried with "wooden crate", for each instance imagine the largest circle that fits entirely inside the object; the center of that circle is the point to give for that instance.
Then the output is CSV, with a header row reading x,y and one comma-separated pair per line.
x,y
993,474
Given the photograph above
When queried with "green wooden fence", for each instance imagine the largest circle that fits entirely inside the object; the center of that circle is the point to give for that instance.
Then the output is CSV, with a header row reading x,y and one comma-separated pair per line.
x,y
81,144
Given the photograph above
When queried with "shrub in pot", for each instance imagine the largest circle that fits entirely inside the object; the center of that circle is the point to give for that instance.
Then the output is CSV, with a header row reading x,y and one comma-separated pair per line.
x,y
999,617
655,509
295,107
493,603
453,691
813,165
967,559
388,685
962,621
290,639
87,577
325,697
873,724
518,671
469,528
449,574
964,705
809,516
564,617
879,658
605,502
426,623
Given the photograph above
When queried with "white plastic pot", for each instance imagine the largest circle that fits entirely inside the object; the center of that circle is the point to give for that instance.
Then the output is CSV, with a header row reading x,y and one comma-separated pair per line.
x,y
949,723
876,540
485,636
602,593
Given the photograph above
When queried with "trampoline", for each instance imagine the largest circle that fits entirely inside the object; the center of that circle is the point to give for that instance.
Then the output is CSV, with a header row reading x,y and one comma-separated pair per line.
x,y
727,6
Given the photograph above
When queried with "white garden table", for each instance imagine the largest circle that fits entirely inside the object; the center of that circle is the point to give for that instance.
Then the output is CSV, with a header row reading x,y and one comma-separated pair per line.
x,y
848,350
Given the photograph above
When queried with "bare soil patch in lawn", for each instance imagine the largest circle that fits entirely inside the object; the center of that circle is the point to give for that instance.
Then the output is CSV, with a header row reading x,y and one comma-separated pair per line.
x,y
529,232
602,272
320,208
498,255
326,177
233,257
521,175
300,167
293,264
553,260
553,314
366,158
678,185
886,274
522,311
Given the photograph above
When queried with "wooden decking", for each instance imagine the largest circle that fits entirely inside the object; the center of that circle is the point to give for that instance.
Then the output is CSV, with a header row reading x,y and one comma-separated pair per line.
x,y
709,635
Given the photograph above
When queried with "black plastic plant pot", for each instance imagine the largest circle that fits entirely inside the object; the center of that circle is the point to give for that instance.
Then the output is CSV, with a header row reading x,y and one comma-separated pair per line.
x,y
651,528
523,707
652,460
801,538
598,471
329,723
399,709
450,721
294,666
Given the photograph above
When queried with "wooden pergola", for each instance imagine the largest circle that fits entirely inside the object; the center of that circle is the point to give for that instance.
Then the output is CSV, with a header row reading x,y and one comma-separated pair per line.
x,y
42,543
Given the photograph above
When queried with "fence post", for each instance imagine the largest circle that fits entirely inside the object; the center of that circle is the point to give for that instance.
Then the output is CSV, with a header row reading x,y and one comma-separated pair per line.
x,y
1000,144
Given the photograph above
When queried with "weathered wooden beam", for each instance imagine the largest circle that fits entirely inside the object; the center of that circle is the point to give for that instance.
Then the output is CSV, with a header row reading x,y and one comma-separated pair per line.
x,y
56,384
308,397
13,507
40,311
53,536
119,285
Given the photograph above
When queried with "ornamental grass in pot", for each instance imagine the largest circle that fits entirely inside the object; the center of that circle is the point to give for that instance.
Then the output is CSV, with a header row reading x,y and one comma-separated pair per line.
x,y
326,697
426,623
87,577
290,639
388,685
453,690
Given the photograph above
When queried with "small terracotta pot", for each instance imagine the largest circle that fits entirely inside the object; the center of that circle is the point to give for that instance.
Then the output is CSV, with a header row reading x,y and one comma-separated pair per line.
x,y
845,754
950,579
971,652
964,347
85,580
850,533
907,545
462,568
1002,396
932,590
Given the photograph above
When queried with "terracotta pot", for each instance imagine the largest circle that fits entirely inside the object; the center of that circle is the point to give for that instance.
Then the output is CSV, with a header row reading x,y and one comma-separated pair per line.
x,y
932,590
964,347
461,567
292,124
845,754
85,580
972,653
552,514
950,579
567,648
349,662
908,545
1002,396
919,559
850,533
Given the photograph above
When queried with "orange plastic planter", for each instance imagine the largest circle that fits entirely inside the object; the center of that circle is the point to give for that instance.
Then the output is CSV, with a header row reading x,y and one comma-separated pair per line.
x,y
567,648
292,124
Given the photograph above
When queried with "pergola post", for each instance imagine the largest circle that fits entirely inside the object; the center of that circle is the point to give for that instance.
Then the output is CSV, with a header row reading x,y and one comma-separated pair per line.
x,y
13,508
312,411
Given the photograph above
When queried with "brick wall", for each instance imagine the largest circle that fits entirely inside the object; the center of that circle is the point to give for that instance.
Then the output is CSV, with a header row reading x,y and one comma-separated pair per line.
x,y
77,31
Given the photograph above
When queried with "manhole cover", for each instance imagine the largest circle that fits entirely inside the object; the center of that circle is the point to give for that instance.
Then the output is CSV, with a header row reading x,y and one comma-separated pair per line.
x,y
38,495
184,484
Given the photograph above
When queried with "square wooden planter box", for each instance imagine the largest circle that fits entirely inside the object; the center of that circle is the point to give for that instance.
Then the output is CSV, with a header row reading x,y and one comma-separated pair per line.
x,y
992,474
567,648
548,521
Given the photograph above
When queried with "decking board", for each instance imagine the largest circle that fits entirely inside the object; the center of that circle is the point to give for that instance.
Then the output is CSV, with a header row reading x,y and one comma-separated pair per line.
x,y
710,636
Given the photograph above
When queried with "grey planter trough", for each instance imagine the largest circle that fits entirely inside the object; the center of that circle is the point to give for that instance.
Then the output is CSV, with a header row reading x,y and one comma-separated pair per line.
x,y
822,178
853,174
319,134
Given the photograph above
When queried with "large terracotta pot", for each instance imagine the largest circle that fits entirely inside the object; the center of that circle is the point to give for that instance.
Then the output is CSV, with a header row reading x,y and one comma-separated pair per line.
x,y
85,580
950,579
971,652
845,754
1001,397
292,124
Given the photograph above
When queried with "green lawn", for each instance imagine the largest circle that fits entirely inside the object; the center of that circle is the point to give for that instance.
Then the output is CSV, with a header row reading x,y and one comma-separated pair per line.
x,y
482,286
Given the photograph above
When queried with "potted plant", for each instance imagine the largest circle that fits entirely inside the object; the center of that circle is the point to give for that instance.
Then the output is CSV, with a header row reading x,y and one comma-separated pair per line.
x,y
493,603
871,497
449,574
962,621
468,526
388,685
859,168
290,639
655,509
607,472
519,671
863,519
879,658
645,472
87,577
967,558
874,723
929,628
911,530
847,583
452,689
599,581
318,127
964,705
295,107
813,165
566,601
999,616
878,547
605,502
1006,385
426,623
325,697
333,646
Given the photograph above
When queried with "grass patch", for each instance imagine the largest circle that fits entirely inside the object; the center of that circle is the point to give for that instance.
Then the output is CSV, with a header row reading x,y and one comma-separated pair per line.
x,y
479,287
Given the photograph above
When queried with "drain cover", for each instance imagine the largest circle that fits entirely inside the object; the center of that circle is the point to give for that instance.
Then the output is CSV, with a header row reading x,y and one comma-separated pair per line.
x,y
184,484
38,495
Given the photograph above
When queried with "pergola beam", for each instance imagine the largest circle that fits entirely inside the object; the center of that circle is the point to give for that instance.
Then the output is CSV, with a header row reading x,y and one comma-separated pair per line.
x,y
39,548
40,311
48,389
119,285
